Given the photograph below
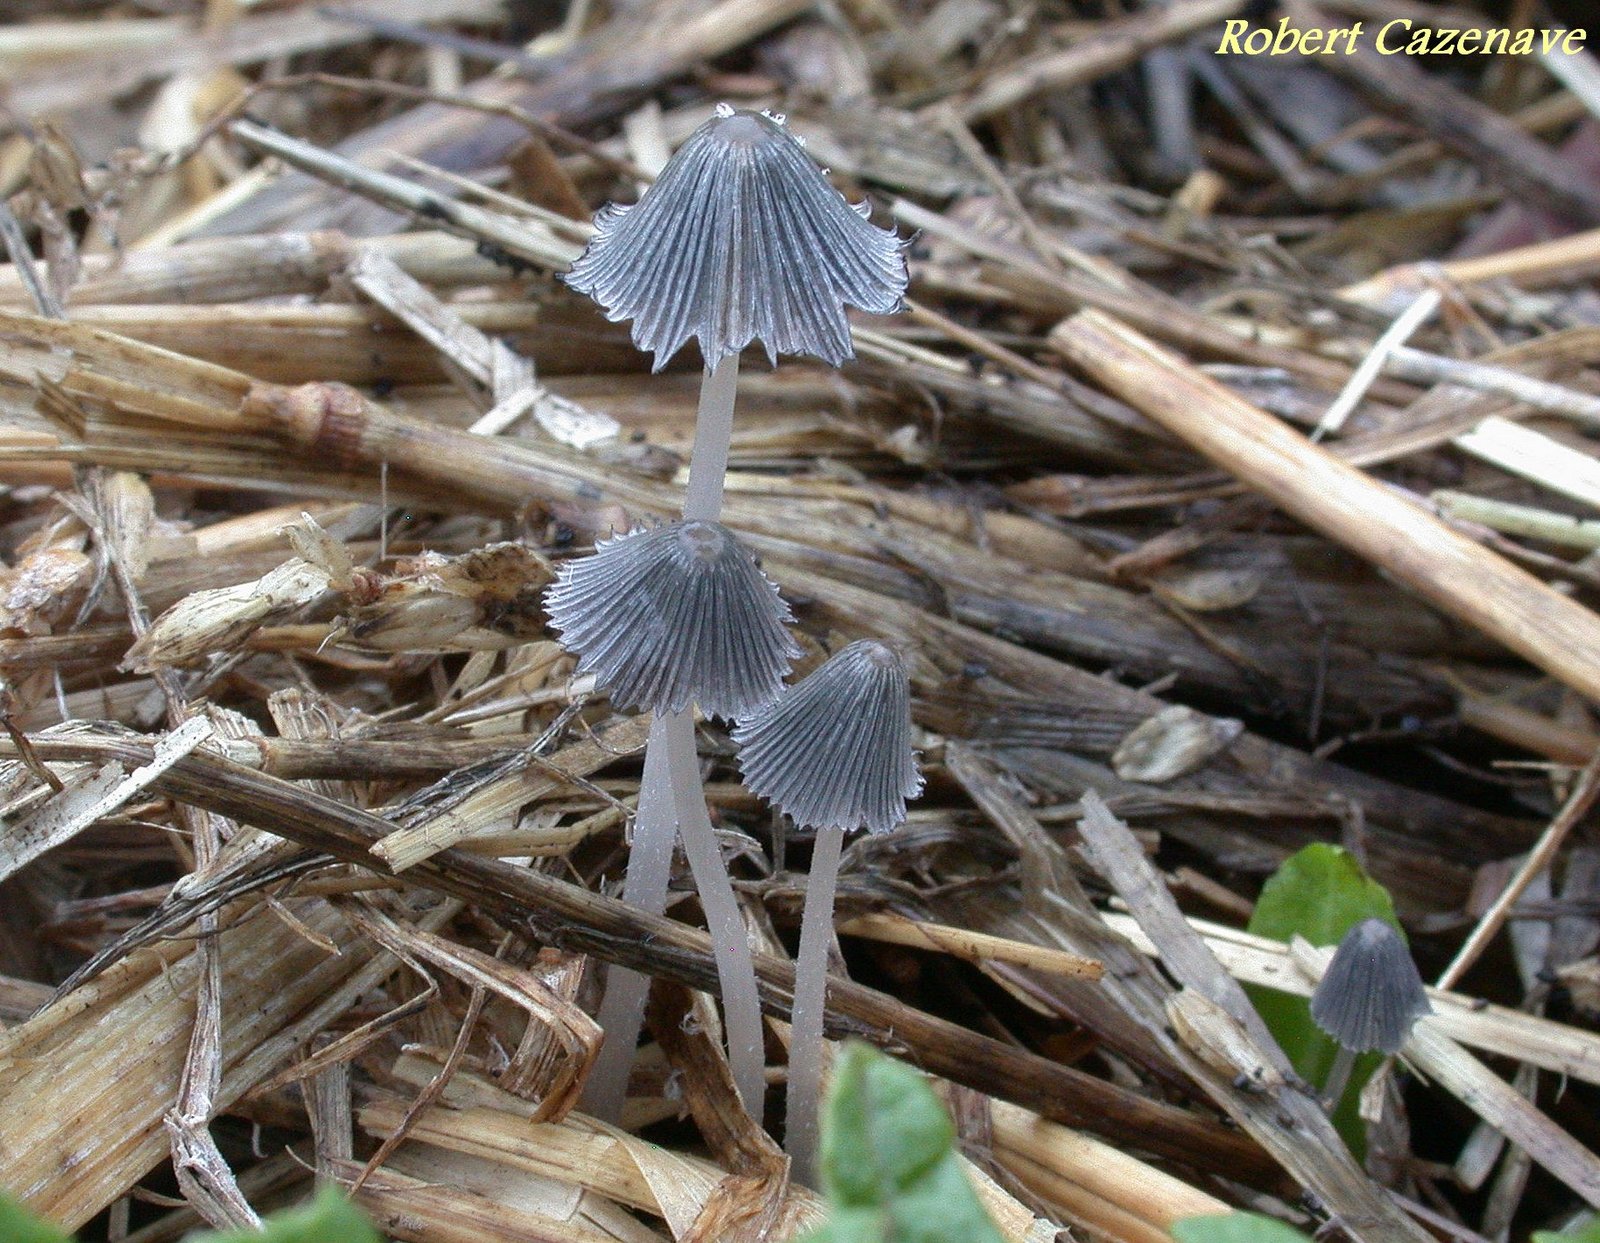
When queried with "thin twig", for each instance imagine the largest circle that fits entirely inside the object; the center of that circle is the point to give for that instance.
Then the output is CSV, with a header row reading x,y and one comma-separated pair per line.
x,y
1538,859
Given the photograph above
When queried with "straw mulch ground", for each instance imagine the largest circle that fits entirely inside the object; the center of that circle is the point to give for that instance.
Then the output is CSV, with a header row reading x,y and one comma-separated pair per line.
x,y
310,833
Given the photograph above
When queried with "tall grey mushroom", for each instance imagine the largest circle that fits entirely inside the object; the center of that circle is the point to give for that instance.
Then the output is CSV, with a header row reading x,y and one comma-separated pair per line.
x,y
740,239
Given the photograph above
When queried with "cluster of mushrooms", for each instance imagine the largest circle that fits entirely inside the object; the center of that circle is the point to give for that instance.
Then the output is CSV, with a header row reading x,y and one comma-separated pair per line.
x,y
740,239
743,239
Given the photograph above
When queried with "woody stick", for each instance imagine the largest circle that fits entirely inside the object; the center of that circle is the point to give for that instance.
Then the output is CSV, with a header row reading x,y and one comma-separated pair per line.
x,y
1446,568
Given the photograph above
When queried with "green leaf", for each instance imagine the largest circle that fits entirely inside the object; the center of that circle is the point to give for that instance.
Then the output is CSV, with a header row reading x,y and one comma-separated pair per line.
x,y
889,1165
17,1225
883,1129
851,1225
941,1207
1235,1228
1589,1232
330,1218
1319,893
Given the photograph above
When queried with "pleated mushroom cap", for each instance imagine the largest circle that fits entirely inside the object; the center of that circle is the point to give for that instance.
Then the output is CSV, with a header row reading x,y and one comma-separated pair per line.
x,y
835,750
673,616
741,238
1371,994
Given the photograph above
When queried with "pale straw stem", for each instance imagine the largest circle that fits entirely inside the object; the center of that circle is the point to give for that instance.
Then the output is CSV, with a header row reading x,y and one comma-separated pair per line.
x,y
1371,367
741,1003
810,1003
713,436
649,870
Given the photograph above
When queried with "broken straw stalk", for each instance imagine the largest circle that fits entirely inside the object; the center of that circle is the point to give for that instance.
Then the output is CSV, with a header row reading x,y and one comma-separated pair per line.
x,y
1444,567
740,238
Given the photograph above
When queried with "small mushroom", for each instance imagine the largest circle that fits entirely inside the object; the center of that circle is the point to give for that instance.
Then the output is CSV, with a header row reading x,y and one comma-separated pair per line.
x,y
673,616
1368,999
833,753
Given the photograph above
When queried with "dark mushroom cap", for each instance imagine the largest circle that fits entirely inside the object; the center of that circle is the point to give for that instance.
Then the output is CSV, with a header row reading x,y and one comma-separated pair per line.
x,y
741,238
672,616
835,751
1371,994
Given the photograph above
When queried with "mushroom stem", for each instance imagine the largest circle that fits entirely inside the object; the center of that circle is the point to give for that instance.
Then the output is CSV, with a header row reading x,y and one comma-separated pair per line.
x,y
708,467
810,1004
649,870
1338,1078
736,972
713,436
672,802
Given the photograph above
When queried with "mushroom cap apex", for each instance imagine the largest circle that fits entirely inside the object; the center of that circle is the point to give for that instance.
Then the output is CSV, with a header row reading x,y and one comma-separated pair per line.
x,y
834,751
879,654
748,128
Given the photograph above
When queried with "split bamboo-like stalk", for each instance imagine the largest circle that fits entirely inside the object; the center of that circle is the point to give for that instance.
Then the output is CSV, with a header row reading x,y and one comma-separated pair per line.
x,y
1105,1174
578,1150
70,1153
969,945
1461,577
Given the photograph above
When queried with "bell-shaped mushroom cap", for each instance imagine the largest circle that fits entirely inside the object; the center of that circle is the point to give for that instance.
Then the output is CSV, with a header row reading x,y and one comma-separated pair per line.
x,y
672,616
1371,994
741,238
835,751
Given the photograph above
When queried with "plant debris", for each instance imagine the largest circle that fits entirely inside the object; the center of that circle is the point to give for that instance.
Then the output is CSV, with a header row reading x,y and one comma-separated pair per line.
x,y
1227,483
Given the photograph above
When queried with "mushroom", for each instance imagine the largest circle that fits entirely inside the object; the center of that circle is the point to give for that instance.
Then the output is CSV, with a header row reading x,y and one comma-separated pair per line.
x,y
740,239
675,616
834,754
1368,999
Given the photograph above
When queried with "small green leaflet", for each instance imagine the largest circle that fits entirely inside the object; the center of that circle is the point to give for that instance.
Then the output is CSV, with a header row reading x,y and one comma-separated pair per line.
x,y
1235,1228
1589,1232
17,1225
889,1165
1319,893
330,1218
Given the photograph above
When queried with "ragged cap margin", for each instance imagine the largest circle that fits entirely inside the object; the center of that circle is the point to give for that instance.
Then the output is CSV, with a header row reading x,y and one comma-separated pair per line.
x,y
741,238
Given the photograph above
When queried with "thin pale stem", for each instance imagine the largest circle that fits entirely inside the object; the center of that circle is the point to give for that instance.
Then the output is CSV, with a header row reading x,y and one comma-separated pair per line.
x,y
1344,1062
649,870
708,467
810,1004
672,802
713,436
736,971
